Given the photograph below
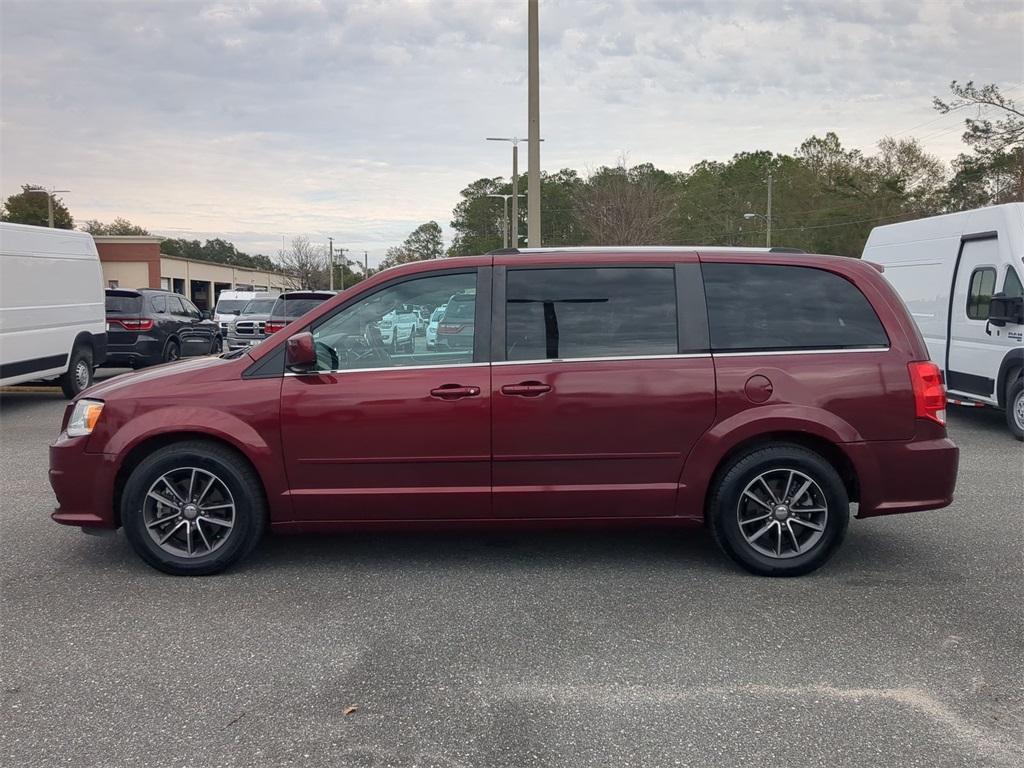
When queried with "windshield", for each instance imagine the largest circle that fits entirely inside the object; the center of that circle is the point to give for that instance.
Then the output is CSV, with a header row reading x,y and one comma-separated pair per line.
x,y
259,307
228,306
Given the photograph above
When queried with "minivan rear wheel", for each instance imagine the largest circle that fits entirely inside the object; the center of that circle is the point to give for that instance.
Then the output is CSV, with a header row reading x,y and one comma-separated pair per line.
x,y
193,508
779,511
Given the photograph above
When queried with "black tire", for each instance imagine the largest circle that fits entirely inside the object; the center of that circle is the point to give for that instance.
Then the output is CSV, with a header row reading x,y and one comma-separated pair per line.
x,y
250,513
79,375
1015,407
172,351
724,510
217,347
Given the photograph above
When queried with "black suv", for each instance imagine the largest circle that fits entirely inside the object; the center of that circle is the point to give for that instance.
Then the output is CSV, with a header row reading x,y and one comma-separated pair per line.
x,y
150,326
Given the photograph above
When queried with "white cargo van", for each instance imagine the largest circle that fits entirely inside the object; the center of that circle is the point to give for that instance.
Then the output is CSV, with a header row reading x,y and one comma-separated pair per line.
x,y
961,277
52,315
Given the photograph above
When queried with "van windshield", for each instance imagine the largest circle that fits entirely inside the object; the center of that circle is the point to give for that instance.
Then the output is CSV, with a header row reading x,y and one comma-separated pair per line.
x,y
228,306
124,304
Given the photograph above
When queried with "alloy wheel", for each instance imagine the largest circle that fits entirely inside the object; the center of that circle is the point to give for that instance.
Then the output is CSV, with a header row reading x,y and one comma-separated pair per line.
x,y
189,512
1018,410
782,513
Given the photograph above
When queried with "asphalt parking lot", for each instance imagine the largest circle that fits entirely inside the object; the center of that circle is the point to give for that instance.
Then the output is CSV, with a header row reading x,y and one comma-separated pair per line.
x,y
532,649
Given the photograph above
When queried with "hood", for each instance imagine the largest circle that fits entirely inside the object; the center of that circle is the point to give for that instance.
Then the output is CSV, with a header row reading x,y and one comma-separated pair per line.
x,y
209,368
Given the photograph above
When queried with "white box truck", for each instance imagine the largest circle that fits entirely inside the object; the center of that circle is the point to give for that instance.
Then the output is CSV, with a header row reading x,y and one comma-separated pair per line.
x,y
960,276
52,307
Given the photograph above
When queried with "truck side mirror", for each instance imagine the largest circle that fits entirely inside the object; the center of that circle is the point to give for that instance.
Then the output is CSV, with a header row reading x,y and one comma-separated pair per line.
x,y
1003,309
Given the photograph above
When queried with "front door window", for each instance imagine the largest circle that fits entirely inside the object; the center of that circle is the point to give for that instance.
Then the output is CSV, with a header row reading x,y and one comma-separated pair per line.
x,y
386,330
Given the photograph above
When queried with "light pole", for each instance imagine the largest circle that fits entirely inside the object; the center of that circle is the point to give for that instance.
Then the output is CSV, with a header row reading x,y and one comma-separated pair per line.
x,y
533,98
766,216
515,184
330,262
49,200
504,231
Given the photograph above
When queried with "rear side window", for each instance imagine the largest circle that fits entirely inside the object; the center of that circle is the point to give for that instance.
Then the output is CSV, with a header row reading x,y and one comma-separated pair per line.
x,y
763,307
159,304
174,305
124,303
979,295
590,312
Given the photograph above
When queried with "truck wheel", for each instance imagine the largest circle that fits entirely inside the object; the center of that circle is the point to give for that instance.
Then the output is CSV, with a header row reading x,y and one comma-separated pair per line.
x,y
79,373
779,511
1015,407
193,508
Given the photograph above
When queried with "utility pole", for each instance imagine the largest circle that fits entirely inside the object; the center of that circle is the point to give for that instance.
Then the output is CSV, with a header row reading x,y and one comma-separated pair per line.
x,y
341,256
768,218
330,262
49,201
366,264
533,179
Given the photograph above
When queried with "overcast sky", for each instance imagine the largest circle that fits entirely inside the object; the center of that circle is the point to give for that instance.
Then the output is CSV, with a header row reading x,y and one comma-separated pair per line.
x,y
253,121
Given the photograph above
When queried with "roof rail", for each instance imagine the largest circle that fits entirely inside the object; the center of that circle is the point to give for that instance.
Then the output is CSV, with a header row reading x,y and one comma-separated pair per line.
x,y
502,252
639,249
784,249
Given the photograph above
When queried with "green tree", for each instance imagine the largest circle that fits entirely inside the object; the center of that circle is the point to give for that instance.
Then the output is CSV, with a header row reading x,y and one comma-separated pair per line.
x,y
477,219
995,172
424,242
30,207
118,226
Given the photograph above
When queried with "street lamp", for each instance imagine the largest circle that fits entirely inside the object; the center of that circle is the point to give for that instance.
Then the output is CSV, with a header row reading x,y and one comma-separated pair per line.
x,y
49,200
766,216
504,231
515,182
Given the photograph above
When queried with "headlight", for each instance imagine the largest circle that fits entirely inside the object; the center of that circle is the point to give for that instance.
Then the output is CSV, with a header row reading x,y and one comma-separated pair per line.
x,y
84,417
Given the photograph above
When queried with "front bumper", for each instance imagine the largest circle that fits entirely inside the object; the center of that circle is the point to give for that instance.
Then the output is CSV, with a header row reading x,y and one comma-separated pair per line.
x,y
83,483
900,477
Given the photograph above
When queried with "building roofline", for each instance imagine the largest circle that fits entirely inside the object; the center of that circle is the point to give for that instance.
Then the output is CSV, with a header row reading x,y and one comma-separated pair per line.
x,y
223,264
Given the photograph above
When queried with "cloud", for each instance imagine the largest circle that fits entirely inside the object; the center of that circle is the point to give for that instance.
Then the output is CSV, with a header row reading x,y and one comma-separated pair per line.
x,y
363,119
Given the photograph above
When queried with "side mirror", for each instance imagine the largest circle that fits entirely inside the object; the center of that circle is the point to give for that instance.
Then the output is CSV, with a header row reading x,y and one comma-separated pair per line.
x,y
206,314
299,353
1003,309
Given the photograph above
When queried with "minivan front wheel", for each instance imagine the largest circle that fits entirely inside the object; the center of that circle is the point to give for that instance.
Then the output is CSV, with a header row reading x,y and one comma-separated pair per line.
x,y
193,508
779,511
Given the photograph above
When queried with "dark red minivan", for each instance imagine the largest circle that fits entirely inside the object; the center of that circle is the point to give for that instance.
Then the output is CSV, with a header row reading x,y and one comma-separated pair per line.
x,y
759,392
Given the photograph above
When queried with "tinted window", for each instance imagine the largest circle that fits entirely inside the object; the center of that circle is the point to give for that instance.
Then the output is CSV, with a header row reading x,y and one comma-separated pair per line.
x,y
124,304
377,332
753,307
1011,285
589,312
159,303
174,305
982,286
190,308
292,308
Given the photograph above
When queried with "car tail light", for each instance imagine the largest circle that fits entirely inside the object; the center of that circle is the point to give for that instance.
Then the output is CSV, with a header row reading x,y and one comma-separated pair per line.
x,y
929,392
142,324
273,326
450,328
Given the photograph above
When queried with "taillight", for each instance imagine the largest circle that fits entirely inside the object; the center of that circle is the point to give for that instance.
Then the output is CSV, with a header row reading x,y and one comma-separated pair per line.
x,y
273,326
450,328
143,324
929,393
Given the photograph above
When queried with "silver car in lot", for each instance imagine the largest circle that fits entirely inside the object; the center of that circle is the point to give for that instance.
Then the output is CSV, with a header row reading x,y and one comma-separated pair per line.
x,y
249,327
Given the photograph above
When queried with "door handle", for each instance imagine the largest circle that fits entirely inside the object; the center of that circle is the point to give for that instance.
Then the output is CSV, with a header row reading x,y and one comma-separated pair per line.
x,y
526,389
454,392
